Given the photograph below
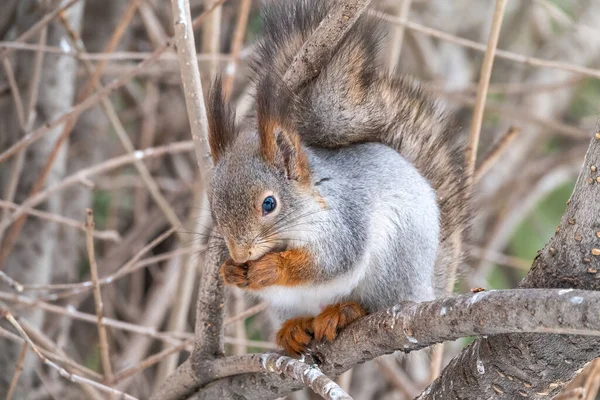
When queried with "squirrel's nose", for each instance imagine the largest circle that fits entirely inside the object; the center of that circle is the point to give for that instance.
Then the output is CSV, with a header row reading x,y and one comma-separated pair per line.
x,y
239,254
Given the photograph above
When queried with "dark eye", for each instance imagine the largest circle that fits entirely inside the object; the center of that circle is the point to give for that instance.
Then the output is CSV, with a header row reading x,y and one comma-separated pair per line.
x,y
268,205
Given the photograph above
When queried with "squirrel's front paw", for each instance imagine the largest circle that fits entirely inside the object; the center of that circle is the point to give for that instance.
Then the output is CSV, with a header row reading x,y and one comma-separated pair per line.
x,y
264,272
234,274
336,317
295,334
255,274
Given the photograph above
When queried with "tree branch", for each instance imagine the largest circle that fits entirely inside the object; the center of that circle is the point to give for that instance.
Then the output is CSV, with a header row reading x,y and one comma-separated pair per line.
x,y
413,326
536,366
317,49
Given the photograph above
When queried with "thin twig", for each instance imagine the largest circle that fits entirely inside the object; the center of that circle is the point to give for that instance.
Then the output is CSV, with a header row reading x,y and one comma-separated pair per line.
x,y
211,34
484,81
126,269
38,25
398,38
153,26
77,109
200,18
62,372
103,338
112,116
90,318
53,356
495,152
11,282
53,351
112,236
397,377
108,165
34,83
17,374
248,313
16,93
519,58
28,119
236,46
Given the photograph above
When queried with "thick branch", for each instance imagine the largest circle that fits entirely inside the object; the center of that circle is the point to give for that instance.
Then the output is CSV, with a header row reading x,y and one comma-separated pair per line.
x,y
413,326
536,366
317,49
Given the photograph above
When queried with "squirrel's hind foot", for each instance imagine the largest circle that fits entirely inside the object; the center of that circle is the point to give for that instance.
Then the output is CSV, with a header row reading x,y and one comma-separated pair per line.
x,y
334,318
296,334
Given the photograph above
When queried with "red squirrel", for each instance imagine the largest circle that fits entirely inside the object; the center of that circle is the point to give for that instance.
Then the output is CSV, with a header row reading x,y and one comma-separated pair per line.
x,y
342,198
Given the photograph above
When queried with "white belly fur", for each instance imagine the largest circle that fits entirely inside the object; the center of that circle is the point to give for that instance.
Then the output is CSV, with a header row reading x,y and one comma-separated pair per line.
x,y
311,299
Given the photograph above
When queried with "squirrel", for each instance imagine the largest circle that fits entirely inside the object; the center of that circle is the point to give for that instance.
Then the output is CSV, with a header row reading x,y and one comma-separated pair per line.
x,y
342,198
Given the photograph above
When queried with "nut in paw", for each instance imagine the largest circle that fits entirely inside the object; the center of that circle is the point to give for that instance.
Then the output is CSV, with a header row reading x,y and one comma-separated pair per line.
x,y
234,274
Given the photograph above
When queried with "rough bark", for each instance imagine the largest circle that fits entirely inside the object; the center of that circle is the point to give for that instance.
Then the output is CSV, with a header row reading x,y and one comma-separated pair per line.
x,y
412,326
536,366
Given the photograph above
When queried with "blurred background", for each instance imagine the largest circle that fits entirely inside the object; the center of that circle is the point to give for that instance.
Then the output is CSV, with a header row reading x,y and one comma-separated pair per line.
x,y
92,115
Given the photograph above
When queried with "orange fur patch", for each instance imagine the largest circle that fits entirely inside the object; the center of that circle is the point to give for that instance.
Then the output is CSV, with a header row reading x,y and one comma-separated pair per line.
x,y
302,169
233,274
266,131
336,317
295,334
288,268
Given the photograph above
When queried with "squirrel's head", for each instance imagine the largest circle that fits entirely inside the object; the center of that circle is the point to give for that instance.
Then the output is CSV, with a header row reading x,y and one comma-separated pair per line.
x,y
261,181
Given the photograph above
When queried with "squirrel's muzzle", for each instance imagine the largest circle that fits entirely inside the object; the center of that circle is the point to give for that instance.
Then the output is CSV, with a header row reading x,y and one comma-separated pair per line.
x,y
239,253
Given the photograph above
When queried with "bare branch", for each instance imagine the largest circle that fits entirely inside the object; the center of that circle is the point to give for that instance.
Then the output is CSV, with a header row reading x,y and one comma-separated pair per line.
x,y
192,86
495,152
88,103
173,148
484,82
413,326
112,236
236,47
318,47
39,25
508,55
18,370
103,337
62,372
568,260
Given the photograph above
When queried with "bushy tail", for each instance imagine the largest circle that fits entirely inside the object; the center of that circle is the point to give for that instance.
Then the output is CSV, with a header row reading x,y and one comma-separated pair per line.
x,y
352,100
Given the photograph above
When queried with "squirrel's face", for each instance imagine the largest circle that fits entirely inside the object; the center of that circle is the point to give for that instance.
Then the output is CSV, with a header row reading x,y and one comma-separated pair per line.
x,y
261,182
256,205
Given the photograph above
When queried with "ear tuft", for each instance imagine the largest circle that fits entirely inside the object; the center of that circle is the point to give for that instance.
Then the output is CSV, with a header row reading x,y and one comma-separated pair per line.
x,y
280,143
221,122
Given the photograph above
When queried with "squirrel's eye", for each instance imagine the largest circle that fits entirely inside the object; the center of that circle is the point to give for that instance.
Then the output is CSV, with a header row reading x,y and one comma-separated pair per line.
x,y
268,204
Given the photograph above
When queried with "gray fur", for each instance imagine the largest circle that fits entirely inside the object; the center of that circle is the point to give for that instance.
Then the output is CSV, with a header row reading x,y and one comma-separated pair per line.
x,y
374,243
383,157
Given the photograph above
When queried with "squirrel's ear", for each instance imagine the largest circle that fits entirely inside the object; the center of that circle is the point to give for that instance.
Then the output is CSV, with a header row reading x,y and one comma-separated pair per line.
x,y
279,142
221,122
290,156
